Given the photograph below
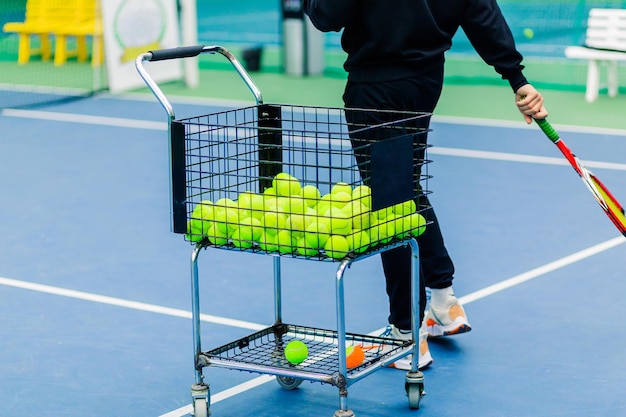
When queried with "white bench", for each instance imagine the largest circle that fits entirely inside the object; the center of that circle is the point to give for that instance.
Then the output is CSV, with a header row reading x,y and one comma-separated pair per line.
x,y
605,43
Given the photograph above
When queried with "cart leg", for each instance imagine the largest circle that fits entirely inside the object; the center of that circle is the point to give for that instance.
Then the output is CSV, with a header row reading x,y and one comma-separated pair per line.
x,y
195,313
278,308
343,411
415,303
414,380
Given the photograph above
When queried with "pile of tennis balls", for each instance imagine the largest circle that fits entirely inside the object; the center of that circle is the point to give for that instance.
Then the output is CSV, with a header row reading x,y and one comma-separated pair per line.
x,y
292,218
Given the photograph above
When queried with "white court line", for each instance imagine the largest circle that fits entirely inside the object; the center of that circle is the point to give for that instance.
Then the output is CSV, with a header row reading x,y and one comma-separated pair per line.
x,y
475,296
120,302
465,153
513,157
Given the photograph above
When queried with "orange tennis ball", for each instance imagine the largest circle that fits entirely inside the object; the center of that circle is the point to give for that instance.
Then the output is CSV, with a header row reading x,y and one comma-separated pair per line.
x,y
354,356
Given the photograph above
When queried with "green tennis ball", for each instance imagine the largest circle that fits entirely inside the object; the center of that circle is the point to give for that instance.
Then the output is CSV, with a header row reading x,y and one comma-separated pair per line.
x,y
310,194
227,219
284,240
268,242
270,192
337,222
296,352
405,208
241,238
358,241
341,187
286,184
216,236
272,222
224,203
250,228
256,206
295,205
363,193
194,230
339,199
417,224
529,33
358,213
382,214
303,248
336,247
273,204
204,210
316,234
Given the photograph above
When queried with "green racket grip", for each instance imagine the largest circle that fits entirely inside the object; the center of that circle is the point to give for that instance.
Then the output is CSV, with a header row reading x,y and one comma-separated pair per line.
x,y
548,130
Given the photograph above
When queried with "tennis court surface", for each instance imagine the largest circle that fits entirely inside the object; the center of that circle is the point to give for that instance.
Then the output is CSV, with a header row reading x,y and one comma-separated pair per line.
x,y
95,287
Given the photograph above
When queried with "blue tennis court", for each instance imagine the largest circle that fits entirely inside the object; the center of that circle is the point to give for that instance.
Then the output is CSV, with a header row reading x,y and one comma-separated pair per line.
x,y
95,312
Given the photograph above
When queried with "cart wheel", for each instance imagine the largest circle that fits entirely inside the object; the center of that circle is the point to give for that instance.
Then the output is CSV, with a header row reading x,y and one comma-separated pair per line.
x,y
200,407
415,392
288,382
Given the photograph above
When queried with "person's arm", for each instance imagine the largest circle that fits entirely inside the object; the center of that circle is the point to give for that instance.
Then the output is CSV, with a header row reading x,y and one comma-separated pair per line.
x,y
329,15
491,37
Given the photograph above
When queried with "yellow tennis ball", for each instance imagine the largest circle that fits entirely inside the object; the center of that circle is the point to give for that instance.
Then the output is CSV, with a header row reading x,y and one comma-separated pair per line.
x,y
336,247
286,184
270,192
284,240
195,230
268,242
337,222
358,213
303,248
224,203
295,205
358,241
241,238
339,199
296,352
417,224
227,220
405,208
529,33
256,206
310,194
272,222
204,210
363,194
216,236
341,187
316,234
250,228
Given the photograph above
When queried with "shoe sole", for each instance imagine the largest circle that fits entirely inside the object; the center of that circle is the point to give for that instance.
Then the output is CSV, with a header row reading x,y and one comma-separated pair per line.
x,y
436,330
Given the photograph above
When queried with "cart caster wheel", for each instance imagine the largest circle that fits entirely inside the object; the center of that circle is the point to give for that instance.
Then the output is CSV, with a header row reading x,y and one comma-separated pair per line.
x,y
288,382
415,392
200,407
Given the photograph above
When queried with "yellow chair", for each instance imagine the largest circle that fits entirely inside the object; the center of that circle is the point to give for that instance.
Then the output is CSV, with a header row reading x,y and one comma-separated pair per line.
x,y
35,24
83,22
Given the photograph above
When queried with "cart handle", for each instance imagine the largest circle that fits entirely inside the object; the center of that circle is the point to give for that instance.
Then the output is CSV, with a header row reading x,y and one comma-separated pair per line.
x,y
188,52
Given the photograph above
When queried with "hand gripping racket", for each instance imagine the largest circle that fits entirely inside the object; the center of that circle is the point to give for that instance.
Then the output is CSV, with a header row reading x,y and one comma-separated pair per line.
x,y
603,196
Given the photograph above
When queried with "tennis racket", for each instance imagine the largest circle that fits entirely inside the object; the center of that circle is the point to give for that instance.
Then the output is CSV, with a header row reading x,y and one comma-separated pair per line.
x,y
603,196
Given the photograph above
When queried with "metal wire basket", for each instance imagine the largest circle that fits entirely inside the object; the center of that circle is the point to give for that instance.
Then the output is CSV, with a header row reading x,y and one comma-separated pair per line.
x,y
288,180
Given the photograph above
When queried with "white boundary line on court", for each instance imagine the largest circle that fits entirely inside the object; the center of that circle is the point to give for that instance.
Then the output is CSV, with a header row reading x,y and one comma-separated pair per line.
x,y
119,302
465,153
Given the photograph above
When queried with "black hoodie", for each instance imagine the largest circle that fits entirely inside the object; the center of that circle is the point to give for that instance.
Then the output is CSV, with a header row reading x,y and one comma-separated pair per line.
x,y
394,39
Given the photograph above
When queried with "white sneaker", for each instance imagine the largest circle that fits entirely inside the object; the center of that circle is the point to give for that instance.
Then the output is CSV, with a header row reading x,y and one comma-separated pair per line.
x,y
425,359
446,316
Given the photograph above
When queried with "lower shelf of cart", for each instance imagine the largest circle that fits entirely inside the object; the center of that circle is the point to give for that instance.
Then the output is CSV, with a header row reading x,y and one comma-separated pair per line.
x,y
262,352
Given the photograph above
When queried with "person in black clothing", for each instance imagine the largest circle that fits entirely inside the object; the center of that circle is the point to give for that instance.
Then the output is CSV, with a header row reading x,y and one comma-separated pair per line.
x,y
395,61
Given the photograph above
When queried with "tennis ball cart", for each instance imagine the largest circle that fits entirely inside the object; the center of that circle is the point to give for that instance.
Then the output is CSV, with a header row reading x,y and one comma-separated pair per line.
x,y
302,182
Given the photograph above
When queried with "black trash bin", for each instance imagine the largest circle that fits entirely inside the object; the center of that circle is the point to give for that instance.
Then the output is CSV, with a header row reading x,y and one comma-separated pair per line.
x,y
252,58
